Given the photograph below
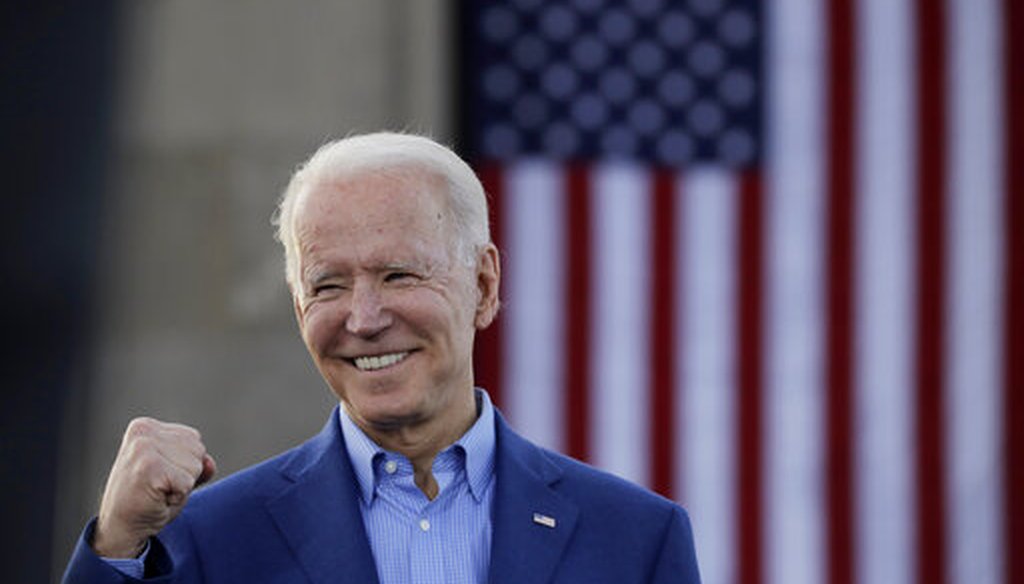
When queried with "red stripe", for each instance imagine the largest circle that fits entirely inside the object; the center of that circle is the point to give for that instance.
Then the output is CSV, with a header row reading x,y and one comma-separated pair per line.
x,y
838,367
931,180
577,303
663,434
749,472
487,355
1013,357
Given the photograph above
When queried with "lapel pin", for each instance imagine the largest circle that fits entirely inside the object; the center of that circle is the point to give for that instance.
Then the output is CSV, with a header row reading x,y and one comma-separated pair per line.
x,y
544,520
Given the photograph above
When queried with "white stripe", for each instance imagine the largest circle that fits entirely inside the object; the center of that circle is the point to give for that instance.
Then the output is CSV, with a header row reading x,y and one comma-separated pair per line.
x,y
974,347
534,321
620,260
794,526
708,362
884,329
685,443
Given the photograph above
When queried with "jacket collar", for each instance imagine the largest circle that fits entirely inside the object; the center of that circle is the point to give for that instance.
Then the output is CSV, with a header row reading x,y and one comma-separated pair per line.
x,y
319,512
532,522
320,518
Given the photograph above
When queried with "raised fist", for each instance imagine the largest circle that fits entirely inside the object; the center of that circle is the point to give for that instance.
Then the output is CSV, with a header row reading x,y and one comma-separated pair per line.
x,y
158,466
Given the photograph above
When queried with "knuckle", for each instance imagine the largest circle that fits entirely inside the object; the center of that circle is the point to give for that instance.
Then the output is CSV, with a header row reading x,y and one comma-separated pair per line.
x,y
141,426
182,482
132,450
182,430
190,467
141,445
194,434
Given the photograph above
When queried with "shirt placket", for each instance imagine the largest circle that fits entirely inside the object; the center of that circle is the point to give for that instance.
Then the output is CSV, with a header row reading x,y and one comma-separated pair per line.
x,y
426,558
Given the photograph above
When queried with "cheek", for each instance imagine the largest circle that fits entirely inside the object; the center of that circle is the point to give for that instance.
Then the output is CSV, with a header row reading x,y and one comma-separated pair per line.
x,y
449,322
430,310
320,327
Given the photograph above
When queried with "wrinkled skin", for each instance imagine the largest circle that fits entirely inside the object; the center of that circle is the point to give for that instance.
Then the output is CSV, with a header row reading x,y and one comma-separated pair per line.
x,y
380,275
157,467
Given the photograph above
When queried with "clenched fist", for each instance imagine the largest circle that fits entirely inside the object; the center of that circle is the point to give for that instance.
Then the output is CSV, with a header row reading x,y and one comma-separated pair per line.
x,y
157,467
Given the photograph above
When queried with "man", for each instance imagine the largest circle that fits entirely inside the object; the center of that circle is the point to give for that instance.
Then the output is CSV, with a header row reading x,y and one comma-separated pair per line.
x,y
415,477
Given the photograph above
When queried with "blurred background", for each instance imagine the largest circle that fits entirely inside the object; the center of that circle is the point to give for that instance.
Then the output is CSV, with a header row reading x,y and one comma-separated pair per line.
x,y
762,257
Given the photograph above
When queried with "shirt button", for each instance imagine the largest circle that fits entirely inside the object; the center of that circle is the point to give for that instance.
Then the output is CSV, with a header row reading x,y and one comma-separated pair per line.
x,y
390,467
424,525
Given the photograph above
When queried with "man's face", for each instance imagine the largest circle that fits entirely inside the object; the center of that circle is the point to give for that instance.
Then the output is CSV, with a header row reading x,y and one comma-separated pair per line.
x,y
386,308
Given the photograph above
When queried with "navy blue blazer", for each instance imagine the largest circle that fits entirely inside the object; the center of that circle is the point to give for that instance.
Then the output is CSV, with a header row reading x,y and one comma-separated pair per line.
x,y
295,518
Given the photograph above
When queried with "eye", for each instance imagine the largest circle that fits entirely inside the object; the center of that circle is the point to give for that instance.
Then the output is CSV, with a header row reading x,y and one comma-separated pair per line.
x,y
398,276
325,289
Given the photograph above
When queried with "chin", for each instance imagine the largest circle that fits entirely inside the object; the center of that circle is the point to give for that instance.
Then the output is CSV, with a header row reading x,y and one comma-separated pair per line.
x,y
391,419
384,410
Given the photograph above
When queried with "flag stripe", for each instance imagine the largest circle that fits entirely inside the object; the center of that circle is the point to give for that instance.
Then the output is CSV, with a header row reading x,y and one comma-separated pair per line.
x,y
535,207
709,365
663,435
883,289
577,304
709,197
748,358
931,180
686,451
621,215
1013,360
795,528
973,339
842,112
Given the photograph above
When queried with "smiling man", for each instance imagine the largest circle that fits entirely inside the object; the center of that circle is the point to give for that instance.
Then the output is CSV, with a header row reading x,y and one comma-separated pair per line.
x,y
415,477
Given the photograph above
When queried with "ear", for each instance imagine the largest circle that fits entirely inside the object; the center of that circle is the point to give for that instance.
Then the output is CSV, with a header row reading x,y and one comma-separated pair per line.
x,y
488,281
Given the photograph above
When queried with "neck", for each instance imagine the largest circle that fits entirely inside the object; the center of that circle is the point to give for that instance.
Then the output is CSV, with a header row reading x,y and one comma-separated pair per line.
x,y
420,441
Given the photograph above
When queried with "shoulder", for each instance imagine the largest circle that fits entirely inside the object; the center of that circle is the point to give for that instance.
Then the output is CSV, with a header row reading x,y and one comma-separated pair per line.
x,y
267,479
229,507
600,496
601,489
259,481
627,522
619,529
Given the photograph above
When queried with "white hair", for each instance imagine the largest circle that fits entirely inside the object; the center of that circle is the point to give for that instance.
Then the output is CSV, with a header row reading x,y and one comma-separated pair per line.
x,y
385,152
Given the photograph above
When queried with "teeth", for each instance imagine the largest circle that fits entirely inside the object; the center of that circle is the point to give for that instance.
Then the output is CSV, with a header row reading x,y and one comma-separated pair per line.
x,y
379,361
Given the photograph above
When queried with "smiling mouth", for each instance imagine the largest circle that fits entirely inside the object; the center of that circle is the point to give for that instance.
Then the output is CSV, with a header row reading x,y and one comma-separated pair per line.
x,y
379,361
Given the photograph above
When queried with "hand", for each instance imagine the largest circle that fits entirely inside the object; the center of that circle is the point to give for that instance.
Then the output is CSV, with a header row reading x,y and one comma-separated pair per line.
x,y
158,466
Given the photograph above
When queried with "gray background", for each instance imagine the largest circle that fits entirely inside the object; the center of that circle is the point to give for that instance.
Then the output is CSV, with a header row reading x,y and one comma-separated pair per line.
x,y
216,103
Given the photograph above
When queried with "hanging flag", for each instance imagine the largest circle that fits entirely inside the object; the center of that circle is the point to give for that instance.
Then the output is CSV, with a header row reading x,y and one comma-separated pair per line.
x,y
766,259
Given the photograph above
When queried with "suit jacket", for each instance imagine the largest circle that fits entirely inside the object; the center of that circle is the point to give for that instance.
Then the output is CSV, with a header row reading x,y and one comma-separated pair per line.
x,y
295,518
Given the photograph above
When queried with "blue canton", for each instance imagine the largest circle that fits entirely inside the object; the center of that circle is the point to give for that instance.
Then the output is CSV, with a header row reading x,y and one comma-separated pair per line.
x,y
415,540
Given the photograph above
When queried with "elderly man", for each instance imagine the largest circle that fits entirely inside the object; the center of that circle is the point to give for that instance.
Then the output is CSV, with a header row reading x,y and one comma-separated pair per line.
x,y
415,477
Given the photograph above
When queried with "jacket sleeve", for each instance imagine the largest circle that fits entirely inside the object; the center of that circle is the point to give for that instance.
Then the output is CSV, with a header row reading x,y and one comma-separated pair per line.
x,y
677,561
85,567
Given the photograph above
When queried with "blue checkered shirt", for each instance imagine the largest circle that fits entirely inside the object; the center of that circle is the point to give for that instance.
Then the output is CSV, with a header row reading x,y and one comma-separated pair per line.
x,y
416,540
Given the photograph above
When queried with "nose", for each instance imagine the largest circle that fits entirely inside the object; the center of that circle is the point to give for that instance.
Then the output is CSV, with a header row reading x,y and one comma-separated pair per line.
x,y
367,315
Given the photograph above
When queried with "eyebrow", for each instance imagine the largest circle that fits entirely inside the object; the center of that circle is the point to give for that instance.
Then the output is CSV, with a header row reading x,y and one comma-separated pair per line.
x,y
400,266
316,275
319,275
320,272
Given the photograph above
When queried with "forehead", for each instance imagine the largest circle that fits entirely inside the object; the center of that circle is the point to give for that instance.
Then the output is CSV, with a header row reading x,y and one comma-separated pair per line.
x,y
388,213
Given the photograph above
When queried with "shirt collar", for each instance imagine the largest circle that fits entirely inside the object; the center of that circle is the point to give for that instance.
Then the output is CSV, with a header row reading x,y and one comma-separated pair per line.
x,y
477,444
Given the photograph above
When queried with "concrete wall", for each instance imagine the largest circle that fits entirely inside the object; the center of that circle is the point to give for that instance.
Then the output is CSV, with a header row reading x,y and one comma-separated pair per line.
x,y
218,101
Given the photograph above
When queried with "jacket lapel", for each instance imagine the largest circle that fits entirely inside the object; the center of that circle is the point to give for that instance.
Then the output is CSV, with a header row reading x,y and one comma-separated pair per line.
x,y
319,513
532,522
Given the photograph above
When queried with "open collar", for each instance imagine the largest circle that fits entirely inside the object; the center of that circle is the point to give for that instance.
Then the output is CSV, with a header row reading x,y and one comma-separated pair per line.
x,y
476,447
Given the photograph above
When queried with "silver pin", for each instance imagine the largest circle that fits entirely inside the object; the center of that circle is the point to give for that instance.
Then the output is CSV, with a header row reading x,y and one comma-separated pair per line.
x,y
544,520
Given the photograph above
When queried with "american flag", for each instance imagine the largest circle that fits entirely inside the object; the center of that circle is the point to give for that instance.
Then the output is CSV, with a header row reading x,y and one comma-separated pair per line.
x,y
768,260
